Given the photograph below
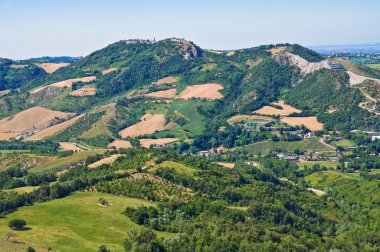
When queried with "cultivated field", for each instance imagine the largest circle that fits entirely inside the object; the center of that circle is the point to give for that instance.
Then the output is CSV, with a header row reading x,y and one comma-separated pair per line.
x,y
109,70
310,122
53,129
120,144
107,160
167,94
87,90
67,146
65,84
159,141
65,162
208,91
286,109
150,123
51,67
77,223
30,119
167,80
7,136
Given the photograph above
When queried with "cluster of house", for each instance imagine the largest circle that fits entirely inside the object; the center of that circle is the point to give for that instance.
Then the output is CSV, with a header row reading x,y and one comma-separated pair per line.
x,y
307,156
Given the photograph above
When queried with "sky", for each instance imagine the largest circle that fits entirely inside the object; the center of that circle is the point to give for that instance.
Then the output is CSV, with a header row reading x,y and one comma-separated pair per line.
x,y
33,28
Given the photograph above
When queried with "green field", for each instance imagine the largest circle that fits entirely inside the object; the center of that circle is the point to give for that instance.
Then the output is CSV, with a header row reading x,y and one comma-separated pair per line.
x,y
320,178
266,146
310,164
343,143
188,109
77,222
180,168
375,66
64,162
24,189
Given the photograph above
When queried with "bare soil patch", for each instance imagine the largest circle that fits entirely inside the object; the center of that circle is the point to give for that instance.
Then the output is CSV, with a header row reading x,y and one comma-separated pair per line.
x,y
160,141
227,165
305,66
356,79
4,92
66,83
107,160
67,146
277,50
109,70
150,123
51,67
168,94
118,144
53,129
31,119
286,109
208,91
87,90
167,80
310,122
230,53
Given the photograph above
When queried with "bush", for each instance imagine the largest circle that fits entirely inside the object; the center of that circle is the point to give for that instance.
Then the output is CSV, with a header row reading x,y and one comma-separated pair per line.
x,y
17,224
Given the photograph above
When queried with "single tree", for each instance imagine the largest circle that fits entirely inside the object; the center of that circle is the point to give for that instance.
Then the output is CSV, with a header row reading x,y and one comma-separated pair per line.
x,y
17,224
9,235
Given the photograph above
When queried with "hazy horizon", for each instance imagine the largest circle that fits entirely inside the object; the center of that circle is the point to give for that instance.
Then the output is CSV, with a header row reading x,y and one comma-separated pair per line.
x,y
77,28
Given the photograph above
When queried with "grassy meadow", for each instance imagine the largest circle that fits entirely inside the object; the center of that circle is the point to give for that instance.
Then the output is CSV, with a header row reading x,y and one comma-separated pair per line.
x,y
76,223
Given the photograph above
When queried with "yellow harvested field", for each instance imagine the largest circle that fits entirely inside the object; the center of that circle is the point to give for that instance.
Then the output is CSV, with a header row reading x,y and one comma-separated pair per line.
x,y
118,144
310,122
87,90
51,67
168,94
167,80
67,146
286,109
160,141
227,165
53,129
277,50
66,83
107,160
4,92
206,91
230,53
150,123
7,136
109,70
30,119
246,118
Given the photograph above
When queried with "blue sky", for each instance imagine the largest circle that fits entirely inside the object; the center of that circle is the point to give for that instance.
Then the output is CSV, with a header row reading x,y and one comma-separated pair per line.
x,y
31,28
